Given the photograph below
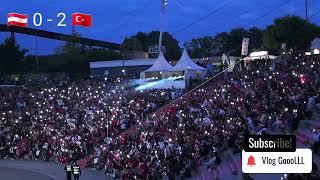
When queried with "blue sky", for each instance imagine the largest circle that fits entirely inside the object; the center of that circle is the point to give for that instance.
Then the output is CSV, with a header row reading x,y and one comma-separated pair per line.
x,y
113,20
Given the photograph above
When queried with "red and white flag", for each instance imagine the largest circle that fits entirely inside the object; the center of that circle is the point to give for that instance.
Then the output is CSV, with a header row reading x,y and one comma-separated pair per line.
x,y
79,19
15,19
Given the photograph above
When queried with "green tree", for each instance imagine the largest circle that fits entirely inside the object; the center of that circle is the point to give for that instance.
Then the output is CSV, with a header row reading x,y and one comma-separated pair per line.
x,y
256,36
74,56
101,54
203,47
132,44
173,50
224,42
234,41
292,30
11,56
141,41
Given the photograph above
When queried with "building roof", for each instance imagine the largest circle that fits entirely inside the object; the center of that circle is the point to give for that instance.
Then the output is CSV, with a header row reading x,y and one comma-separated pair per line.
x,y
161,64
185,63
120,63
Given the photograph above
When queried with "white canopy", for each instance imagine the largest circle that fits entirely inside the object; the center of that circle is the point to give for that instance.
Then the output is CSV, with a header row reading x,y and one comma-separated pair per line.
x,y
315,44
259,55
161,65
185,63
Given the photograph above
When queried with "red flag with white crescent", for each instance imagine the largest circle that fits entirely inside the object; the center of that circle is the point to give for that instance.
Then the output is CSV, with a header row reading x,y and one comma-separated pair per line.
x,y
15,19
79,19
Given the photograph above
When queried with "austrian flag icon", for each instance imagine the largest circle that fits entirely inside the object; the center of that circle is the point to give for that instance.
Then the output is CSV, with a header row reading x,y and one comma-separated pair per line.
x,y
15,19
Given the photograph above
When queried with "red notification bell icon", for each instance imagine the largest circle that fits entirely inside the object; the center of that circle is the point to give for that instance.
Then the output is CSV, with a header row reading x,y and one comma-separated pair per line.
x,y
251,161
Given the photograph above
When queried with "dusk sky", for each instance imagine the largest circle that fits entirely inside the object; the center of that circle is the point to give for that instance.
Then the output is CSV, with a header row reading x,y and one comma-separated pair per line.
x,y
113,20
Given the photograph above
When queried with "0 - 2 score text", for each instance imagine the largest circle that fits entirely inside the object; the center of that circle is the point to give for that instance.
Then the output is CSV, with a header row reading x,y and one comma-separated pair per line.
x,y
38,19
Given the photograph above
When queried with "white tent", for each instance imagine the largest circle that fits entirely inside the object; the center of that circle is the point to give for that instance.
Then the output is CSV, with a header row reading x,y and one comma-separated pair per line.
x,y
156,71
161,65
315,46
185,63
187,68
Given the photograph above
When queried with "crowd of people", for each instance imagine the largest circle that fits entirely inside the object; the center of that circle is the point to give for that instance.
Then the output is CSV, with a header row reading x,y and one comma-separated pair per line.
x,y
69,121
88,121
271,96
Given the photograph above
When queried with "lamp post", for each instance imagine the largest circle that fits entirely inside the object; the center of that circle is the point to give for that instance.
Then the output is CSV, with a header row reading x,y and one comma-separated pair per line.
x,y
307,14
37,57
163,11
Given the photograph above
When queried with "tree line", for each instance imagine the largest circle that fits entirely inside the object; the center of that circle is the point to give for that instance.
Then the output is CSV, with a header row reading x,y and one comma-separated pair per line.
x,y
294,31
74,58
71,58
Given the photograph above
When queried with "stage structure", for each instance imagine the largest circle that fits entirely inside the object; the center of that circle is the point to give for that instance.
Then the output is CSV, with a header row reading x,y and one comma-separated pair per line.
x,y
162,75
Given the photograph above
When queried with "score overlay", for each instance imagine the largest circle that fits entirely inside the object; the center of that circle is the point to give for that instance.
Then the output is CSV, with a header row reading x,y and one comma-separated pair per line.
x,y
21,20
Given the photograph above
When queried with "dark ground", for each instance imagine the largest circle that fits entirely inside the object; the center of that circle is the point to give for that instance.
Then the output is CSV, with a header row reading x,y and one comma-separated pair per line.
x,y
18,174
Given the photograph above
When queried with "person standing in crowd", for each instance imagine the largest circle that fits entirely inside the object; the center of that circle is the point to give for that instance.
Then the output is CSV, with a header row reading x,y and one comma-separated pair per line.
x,y
68,169
316,141
76,172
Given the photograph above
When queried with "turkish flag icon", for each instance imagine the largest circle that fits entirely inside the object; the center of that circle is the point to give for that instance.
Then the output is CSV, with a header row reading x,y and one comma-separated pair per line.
x,y
79,19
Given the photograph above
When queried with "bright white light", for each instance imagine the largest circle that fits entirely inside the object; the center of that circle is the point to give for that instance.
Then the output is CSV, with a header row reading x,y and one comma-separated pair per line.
x,y
155,83
259,53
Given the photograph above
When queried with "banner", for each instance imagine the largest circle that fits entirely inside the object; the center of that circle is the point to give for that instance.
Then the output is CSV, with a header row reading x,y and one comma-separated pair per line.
x,y
245,46
154,49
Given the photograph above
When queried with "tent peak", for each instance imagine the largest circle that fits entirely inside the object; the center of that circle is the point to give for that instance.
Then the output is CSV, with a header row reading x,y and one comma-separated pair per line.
x,y
186,63
161,64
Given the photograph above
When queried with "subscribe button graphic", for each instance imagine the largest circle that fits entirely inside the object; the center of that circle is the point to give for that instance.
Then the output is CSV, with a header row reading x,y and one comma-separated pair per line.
x,y
270,143
277,162
275,154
